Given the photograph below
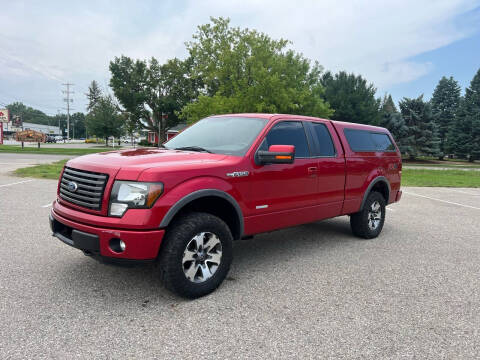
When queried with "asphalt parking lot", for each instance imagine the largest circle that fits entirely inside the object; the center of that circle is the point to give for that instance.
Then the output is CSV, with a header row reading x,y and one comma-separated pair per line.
x,y
313,291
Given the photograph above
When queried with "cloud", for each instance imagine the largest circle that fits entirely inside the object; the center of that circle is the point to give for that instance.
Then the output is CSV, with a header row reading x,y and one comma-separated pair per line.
x,y
48,42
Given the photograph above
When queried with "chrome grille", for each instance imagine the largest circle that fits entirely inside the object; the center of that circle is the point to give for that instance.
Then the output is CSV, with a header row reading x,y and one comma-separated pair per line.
x,y
89,188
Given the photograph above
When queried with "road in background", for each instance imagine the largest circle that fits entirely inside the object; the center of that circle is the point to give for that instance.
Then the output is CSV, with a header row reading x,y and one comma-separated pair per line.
x,y
72,144
312,291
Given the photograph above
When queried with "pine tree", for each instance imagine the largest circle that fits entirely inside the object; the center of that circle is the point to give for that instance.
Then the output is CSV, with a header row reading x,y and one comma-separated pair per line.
x,y
422,138
391,119
395,123
94,94
472,102
387,105
464,136
445,102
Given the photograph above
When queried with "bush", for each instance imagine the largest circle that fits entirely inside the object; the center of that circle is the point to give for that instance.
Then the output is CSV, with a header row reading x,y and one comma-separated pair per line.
x,y
95,141
145,142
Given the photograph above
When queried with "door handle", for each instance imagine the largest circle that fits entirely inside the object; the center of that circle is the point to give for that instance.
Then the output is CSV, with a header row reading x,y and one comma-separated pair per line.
x,y
312,170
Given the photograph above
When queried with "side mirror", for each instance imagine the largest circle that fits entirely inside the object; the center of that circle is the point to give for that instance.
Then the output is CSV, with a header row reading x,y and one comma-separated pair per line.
x,y
277,154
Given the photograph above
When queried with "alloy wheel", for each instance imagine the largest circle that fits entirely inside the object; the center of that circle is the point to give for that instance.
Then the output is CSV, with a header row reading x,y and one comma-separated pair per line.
x,y
202,257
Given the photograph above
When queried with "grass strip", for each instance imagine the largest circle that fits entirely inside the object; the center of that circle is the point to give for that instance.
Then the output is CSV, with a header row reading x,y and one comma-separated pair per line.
x,y
441,178
52,151
42,171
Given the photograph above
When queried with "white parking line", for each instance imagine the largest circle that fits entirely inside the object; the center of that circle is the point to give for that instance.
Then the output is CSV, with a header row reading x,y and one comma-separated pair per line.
x,y
45,206
389,208
444,201
15,183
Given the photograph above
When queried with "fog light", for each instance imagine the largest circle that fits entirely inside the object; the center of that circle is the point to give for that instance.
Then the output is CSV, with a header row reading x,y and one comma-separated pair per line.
x,y
117,209
117,245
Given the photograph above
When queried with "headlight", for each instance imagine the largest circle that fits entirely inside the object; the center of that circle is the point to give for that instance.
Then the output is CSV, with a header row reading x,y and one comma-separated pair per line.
x,y
133,195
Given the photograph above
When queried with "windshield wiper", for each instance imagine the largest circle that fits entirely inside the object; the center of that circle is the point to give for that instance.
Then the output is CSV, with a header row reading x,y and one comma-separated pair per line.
x,y
193,148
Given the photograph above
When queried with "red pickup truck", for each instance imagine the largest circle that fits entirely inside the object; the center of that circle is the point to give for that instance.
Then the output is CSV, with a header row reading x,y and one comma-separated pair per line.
x,y
225,178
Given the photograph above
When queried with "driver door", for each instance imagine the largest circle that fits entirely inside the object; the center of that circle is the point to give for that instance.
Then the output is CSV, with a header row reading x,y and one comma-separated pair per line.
x,y
283,194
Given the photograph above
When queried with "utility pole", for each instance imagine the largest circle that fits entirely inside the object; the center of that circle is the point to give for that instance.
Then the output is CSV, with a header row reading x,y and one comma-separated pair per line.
x,y
59,128
68,100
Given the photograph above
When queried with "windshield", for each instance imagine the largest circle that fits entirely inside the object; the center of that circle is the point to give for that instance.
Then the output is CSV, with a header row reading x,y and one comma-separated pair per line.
x,y
221,135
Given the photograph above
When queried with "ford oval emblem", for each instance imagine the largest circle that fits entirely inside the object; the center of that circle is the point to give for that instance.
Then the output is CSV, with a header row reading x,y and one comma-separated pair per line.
x,y
72,186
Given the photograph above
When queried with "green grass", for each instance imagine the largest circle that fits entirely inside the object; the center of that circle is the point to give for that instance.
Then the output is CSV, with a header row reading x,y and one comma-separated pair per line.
x,y
446,165
52,151
442,178
43,171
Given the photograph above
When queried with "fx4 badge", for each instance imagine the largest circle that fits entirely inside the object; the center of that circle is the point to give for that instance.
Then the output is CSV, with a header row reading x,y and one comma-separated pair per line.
x,y
238,174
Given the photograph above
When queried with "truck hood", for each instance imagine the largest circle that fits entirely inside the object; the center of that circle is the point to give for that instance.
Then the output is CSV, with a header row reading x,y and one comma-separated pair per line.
x,y
129,164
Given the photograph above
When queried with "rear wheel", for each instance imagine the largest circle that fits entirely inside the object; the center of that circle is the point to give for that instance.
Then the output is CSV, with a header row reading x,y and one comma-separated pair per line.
x,y
368,222
196,255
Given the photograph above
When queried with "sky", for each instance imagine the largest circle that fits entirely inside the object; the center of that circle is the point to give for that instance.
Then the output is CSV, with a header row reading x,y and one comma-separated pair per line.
x,y
402,47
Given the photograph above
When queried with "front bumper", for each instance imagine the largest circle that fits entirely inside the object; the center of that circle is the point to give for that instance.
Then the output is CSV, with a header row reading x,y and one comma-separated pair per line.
x,y
95,241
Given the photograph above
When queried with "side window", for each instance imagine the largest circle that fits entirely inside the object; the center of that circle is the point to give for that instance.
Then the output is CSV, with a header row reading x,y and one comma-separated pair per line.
x,y
359,140
382,142
288,133
364,141
325,143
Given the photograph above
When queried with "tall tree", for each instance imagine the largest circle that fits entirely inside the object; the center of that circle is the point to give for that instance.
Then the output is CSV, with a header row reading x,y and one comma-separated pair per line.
x,y
352,98
395,123
94,94
77,121
29,114
464,136
422,130
387,105
104,120
153,93
445,102
247,71
391,119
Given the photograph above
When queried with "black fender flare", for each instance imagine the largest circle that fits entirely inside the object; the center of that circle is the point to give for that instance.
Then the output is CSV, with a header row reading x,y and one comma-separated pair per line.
x,y
372,184
197,195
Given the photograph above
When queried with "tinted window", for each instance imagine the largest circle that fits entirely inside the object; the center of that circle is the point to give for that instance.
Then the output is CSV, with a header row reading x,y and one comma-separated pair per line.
x,y
221,135
383,142
325,144
288,133
361,140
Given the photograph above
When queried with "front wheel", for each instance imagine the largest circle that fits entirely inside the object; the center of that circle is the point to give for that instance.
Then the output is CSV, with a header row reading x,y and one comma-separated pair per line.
x,y
196,255
368,222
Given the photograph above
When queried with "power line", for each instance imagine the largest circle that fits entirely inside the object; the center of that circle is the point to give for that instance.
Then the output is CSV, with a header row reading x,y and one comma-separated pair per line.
x,y
68,100
28,103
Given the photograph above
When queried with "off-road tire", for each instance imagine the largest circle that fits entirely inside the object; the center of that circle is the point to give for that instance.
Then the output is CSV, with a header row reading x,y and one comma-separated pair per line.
x,y
178,235
359,222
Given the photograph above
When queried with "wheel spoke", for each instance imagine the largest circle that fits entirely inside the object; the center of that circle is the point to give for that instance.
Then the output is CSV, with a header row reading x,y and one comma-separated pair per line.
x,y
206,274
188,255
199,238
212,242
192,271
215,258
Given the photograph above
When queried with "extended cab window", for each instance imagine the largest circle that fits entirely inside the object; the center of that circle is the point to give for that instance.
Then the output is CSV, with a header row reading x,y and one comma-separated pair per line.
x,y
368,141
288,133
325,143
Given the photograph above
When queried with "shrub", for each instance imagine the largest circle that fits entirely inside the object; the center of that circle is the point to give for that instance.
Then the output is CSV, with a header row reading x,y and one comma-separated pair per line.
x,y
145,142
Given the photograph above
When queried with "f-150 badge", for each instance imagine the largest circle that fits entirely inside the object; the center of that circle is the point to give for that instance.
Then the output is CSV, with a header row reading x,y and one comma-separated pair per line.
x,y
238,174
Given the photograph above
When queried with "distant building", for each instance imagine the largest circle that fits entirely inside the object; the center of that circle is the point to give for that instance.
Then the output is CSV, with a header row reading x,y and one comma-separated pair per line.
x,y
46,129
152,136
